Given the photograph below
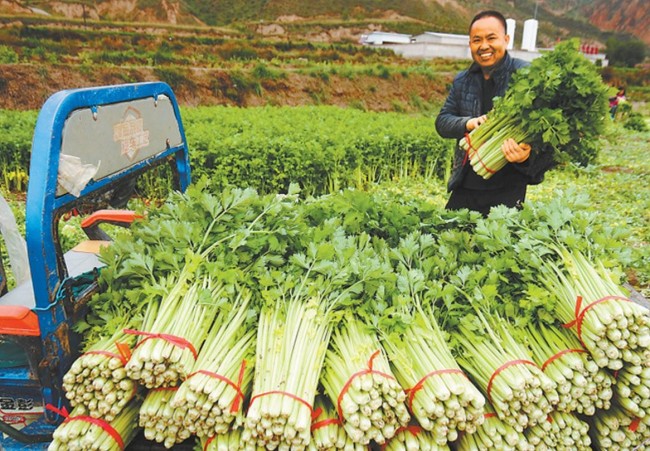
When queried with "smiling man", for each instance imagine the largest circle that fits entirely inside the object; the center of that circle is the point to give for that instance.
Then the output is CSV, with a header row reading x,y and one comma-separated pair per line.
x,y
470,99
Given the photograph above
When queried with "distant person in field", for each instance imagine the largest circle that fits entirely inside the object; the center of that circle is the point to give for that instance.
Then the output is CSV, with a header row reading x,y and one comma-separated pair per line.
x,y
615,101
468,102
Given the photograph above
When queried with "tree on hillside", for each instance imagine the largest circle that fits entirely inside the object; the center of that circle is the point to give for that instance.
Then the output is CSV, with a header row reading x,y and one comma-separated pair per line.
x,y
625,52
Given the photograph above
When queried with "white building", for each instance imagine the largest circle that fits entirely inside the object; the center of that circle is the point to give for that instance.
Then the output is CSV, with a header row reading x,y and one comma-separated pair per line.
x,y
431,37
436,45
529,38
382,37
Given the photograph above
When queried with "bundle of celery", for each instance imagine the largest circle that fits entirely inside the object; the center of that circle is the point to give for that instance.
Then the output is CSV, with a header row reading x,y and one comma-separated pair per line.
x,y
559,101
413,438
165,354
97,383
521,394
212,397
358,379
632,389
611,327
327,431
582,385
439,394
79,432
562,432
294,331
615,430
158,420
494,434
228,441
290,351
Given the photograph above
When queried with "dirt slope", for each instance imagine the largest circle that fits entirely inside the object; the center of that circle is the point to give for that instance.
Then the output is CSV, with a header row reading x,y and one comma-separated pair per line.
x,y
25,87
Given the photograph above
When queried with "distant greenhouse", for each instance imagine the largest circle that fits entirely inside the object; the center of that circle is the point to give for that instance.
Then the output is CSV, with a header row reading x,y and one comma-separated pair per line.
x,y
382,37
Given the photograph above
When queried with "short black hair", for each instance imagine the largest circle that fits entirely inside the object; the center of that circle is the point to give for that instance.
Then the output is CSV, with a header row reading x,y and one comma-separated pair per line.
x,y
490,13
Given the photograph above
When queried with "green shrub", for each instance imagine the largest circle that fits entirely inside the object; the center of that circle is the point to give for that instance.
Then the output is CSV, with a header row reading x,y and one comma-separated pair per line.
x,y
262,72
8,55
636,121
175,77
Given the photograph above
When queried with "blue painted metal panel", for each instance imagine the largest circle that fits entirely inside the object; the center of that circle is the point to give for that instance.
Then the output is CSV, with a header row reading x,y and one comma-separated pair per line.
x,y
42,203
43,211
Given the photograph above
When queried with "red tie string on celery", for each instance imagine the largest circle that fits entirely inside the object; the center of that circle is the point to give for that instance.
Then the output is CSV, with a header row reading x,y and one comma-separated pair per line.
x,y
119,357
97,384
472,153
82,431
556,356
61,412
236,403
173,339
369,370
580,313
208,441
614,330
503,367
327,431
125,351
418,386
369,400
412,428
468,150
325,422
583,387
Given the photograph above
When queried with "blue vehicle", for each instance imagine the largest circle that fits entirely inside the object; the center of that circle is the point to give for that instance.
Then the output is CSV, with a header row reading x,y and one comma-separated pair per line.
x,y
89,147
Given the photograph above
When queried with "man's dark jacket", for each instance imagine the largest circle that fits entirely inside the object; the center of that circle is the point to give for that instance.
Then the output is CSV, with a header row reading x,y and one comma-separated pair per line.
x,y
465,102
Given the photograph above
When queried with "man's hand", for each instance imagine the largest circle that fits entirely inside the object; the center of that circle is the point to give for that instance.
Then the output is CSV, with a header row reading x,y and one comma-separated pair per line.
x,y
514,152
475,122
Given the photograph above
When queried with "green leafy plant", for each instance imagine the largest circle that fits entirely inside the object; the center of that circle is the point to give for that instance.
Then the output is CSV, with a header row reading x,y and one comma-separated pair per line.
x,y
8,55
636,122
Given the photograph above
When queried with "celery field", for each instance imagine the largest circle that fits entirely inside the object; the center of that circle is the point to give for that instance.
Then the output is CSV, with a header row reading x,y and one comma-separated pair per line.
x,y
325,149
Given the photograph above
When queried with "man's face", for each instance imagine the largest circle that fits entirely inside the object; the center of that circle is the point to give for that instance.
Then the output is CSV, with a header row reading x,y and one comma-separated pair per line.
x,y
488,41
